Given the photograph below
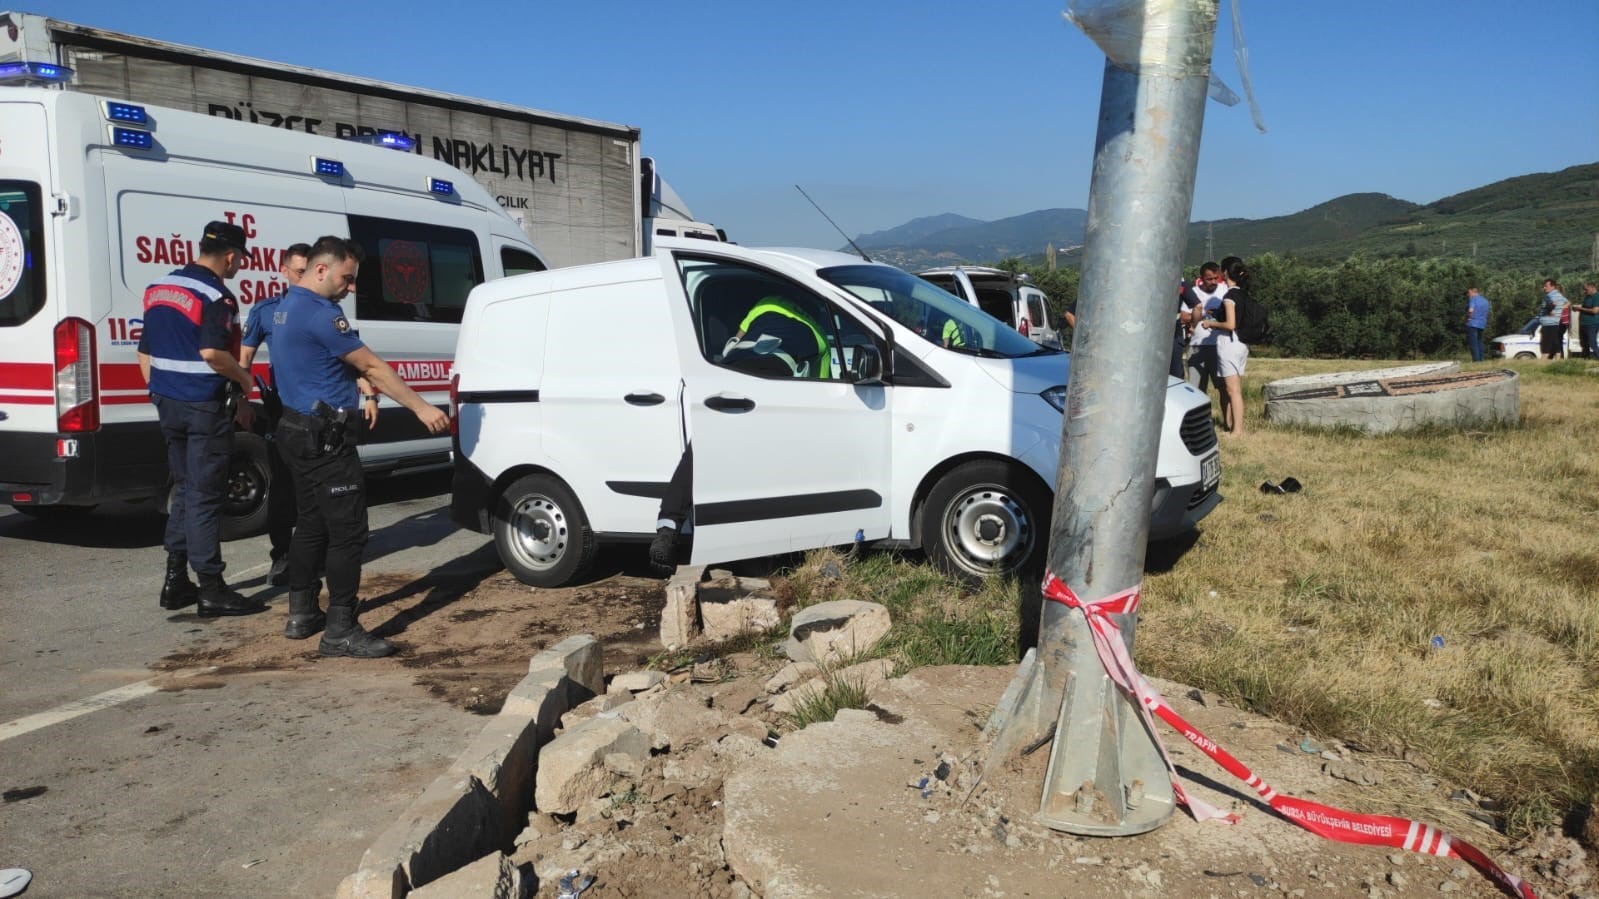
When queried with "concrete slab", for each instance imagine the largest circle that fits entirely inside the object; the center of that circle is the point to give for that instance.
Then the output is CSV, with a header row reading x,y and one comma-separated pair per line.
x,y
1284,386
1471,400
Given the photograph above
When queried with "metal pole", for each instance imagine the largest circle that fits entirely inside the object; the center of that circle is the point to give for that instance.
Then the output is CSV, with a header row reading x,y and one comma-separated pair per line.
x,y
1141,196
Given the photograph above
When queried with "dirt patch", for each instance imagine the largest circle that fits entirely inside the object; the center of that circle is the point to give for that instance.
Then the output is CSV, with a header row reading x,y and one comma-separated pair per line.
x,y
888,804
466,642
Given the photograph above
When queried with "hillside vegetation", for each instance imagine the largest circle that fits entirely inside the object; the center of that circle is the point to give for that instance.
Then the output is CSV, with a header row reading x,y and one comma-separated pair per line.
x,y
1545,222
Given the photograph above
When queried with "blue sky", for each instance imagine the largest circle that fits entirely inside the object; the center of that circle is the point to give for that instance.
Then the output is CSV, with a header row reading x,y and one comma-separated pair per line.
x,y
888,110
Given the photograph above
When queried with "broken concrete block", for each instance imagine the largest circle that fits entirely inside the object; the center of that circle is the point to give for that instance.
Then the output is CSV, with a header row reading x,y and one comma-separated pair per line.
x,y
680,617
491,877
581,657
571,770
867,675
674,720
637,681
455,821
501,758
791,674
724,620
834,631
623,765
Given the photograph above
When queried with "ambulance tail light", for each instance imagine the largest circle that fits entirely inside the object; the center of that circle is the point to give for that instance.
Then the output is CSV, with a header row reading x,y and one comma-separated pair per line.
x,y
77,381
455,405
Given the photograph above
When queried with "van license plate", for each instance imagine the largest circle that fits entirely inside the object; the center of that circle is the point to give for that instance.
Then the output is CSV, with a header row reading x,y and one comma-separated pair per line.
x,y
1210,470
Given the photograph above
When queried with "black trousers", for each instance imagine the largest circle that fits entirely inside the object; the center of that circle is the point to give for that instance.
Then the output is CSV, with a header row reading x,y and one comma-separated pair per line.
x,y
199,445
330,489
282,509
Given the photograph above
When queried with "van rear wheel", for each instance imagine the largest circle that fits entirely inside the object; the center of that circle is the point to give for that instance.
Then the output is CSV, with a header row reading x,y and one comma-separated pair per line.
x,y
244,504
541,532
986,518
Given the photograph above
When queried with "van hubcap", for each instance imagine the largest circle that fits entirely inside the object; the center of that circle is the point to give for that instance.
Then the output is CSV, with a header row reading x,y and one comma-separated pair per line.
x,y
988,529
539,532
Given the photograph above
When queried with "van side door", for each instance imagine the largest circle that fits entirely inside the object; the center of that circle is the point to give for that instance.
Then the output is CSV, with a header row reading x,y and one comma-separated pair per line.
x,y
789,453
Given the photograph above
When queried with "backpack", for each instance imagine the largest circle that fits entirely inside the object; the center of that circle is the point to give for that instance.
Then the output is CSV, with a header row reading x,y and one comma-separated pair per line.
x,y
1253,319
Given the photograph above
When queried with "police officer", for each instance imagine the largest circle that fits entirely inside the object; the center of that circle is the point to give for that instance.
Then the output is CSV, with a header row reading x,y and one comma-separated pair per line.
x,y
281,510
319,357
188,354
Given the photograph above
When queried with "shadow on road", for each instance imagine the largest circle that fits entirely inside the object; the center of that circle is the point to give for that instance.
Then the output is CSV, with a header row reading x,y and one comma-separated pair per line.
x,y
443,586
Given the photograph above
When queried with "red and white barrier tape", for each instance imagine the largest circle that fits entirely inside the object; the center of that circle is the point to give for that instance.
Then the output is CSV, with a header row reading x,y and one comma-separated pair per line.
x,y
1322,820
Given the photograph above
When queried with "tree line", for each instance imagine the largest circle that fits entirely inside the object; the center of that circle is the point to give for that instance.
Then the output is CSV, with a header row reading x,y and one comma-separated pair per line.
x,y
1391,308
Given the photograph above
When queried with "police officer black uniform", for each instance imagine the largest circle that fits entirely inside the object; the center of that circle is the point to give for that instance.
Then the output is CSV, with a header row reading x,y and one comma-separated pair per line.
x,y
189,356
318,359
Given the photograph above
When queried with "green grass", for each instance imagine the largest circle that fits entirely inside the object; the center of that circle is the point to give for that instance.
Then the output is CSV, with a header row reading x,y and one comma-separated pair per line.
x,y
838,691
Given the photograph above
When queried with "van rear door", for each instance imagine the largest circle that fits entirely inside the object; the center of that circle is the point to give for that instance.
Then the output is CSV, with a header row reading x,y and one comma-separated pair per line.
x,y
32,460
27,313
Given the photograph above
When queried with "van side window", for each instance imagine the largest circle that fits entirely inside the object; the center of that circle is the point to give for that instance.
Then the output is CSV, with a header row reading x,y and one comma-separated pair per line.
x,y
760,323
519,262
414,271
1035,311
21,253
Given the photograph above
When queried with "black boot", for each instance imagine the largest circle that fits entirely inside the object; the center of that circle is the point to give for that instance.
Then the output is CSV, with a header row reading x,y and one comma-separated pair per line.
x,y
217,599
344,637
177,591
663,550
305,615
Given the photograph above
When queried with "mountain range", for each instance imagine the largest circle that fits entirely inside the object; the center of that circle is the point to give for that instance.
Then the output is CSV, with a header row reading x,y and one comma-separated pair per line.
x,y
1544,222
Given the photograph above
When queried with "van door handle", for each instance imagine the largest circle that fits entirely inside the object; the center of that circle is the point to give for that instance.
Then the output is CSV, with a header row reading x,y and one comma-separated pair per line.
x,y
644,399
729,403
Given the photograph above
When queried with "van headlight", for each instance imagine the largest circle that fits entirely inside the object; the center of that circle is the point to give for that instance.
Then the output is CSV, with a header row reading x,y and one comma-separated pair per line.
x,y
1056,396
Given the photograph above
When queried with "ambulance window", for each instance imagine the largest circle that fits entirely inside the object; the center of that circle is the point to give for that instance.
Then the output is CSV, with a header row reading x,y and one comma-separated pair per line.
x,y
519,262
21,252
1035,311
414,271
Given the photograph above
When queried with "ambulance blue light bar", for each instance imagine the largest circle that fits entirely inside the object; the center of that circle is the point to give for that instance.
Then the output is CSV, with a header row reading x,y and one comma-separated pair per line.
x,y
126,112
440,186
328,168
34,73
132,138
394,140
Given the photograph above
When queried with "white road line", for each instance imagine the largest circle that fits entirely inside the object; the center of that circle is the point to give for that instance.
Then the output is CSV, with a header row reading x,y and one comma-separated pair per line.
x,y
71,710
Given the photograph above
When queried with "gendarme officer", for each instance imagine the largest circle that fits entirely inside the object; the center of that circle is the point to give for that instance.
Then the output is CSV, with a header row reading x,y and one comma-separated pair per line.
x,y
318,358
189,356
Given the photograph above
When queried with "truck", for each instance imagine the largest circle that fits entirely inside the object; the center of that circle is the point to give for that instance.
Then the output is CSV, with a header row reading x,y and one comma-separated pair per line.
x,y
578,187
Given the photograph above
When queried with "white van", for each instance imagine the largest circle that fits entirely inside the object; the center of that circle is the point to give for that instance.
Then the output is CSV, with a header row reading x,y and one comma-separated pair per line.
x,y
568,430
1007,296
99,197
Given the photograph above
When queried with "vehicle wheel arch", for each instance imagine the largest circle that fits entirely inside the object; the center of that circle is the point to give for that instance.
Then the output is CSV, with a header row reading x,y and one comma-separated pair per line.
x,y
937,472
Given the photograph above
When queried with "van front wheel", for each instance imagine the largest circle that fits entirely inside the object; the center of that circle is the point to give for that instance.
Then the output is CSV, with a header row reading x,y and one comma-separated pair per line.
x,y
541,533
986,518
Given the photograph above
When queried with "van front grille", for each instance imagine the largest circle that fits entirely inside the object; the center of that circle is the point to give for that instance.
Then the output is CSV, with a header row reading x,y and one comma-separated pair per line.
x,y
1198,431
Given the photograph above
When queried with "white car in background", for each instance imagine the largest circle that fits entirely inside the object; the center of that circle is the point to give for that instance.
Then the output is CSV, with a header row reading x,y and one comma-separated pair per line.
x,y
1526,346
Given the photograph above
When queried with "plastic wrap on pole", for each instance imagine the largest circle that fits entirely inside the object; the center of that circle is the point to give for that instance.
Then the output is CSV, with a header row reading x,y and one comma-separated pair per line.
x,y
1117,27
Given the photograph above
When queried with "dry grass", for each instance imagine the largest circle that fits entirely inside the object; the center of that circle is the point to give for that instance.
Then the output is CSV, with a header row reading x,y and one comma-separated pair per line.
x,y
1319,608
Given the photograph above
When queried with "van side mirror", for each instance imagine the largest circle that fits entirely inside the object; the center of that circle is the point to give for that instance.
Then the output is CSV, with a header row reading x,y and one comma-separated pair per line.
x,y
866,366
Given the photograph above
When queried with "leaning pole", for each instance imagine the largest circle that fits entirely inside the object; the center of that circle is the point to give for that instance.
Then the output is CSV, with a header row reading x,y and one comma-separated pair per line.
x,y
1105,774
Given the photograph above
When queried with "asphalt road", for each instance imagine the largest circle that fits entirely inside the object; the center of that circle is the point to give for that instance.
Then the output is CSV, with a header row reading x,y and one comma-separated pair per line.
x,y
263,784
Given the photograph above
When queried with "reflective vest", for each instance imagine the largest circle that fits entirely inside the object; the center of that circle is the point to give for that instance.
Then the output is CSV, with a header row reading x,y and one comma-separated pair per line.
x,y
952,333
174,313
786,309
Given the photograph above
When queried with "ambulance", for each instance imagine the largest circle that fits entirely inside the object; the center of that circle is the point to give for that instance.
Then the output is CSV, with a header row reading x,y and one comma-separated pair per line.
x,y
99,197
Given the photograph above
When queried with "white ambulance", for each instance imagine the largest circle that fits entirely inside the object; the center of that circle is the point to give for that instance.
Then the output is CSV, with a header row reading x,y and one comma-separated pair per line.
x,y
99,197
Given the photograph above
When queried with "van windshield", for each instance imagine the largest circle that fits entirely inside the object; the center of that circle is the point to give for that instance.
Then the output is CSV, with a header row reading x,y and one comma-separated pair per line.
x,y
935,315
21,252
